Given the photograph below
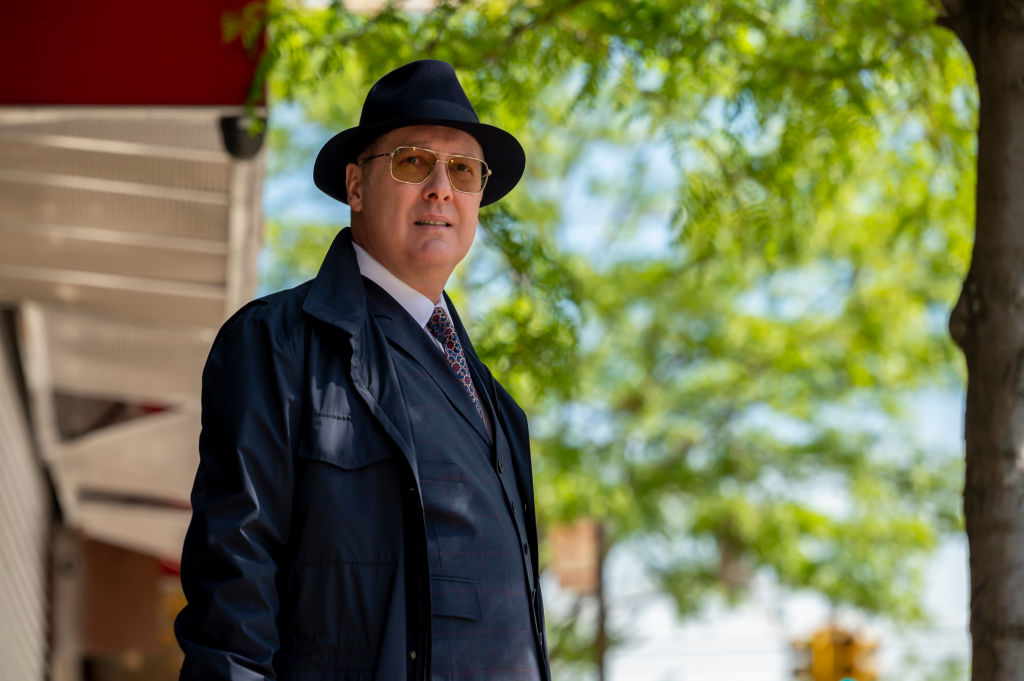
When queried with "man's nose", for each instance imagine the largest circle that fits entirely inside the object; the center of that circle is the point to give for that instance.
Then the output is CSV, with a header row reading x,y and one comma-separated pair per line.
x,y
437,187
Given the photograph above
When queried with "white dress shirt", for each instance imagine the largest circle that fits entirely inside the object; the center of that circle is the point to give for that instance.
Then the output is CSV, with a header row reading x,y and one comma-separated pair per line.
x,y
414,302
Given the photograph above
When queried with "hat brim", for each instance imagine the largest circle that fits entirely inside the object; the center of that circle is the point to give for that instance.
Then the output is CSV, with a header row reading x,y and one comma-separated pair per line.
x,y
502,151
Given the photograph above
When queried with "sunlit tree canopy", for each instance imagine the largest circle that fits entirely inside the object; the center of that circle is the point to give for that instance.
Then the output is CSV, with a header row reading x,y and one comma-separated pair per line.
x,y
724,281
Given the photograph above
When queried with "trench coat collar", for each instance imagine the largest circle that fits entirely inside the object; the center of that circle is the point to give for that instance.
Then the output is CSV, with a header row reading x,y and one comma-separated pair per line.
x,y
336,296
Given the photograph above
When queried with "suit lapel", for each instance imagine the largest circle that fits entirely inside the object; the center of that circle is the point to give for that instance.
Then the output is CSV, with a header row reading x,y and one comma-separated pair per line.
x,y
485,382
405,335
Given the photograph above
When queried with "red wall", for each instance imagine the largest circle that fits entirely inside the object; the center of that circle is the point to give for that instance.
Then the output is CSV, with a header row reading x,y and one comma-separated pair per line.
x,y
120,52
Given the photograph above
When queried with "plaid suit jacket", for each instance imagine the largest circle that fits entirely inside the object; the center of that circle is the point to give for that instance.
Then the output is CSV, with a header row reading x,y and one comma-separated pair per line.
x,y
482,585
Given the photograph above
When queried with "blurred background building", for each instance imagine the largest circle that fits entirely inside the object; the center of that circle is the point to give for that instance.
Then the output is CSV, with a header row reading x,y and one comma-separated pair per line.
x,y
128,233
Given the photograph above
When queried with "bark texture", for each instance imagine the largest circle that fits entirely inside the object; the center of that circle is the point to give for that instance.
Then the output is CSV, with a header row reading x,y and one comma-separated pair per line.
x,y
988,325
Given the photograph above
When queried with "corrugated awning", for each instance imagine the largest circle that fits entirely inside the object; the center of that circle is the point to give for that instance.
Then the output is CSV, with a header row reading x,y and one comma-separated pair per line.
x,y
128,236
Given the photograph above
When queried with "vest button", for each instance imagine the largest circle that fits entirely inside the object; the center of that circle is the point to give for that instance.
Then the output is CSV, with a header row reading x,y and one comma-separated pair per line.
x,y
412,654
501,466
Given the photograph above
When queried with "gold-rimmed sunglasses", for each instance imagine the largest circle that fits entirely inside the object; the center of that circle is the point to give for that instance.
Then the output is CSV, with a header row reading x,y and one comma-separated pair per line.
x,y
413,165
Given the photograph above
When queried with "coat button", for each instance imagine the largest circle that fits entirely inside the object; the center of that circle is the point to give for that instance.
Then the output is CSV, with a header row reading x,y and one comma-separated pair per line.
x,y
412,654
501,466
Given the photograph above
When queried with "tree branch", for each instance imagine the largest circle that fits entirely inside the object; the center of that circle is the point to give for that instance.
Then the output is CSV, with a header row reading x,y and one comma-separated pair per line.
x,y
537,19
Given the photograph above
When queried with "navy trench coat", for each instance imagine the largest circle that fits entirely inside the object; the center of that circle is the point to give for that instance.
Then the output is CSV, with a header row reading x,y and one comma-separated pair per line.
x,y
306,556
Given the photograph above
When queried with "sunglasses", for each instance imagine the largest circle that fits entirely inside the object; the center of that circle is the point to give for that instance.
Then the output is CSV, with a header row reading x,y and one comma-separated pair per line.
x,y
413,165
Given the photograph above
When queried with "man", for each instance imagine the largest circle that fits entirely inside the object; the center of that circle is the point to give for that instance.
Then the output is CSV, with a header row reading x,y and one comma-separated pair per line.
x,y
363,507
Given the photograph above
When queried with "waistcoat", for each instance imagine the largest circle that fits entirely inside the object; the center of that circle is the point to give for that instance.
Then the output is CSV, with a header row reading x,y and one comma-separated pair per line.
x,y
481,582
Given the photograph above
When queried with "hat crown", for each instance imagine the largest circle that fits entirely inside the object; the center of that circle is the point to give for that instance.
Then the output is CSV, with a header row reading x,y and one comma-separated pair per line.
x,y
428,87
423,92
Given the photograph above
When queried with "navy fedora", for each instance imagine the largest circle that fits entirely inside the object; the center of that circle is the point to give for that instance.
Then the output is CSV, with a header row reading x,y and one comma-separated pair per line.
x,y
424,92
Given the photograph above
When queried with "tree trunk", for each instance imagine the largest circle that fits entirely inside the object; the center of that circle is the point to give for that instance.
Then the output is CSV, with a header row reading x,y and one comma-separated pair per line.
x,y
988,325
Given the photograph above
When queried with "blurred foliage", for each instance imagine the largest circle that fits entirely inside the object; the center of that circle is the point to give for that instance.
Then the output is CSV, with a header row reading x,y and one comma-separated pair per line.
x,y
932,665
723,282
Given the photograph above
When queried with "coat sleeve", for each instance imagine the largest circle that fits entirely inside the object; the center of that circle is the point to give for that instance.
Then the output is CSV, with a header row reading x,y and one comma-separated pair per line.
x,y
241,503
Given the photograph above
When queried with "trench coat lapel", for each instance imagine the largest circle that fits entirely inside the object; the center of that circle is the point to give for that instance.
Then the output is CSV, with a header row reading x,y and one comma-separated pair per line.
x,y
337,298
406,335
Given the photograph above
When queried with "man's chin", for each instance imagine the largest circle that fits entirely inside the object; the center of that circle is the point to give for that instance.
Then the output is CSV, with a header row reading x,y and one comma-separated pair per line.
x,y
437,252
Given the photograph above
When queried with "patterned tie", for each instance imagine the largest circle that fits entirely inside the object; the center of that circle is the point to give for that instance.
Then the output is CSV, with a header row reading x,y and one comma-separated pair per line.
x,y
444,331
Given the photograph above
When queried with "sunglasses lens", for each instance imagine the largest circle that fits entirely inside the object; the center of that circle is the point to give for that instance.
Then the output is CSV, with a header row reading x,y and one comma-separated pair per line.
x,y
467,174
412,165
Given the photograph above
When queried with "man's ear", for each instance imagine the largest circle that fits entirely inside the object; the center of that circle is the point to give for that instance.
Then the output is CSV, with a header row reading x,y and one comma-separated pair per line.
x,y
354,186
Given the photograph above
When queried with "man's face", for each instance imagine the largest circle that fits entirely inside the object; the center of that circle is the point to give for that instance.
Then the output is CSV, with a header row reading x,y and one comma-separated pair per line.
x,y
418,231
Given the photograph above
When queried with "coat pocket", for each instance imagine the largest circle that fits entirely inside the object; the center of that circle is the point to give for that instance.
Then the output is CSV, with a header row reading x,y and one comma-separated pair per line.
x,y
347,504
338,615
454,597
346,442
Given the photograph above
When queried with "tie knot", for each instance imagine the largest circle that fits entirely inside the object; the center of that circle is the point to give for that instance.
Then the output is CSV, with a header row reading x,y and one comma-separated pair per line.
x,y
440,325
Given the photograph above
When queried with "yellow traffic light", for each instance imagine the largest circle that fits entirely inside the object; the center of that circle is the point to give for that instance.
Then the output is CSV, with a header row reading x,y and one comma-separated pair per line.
x,y
836,654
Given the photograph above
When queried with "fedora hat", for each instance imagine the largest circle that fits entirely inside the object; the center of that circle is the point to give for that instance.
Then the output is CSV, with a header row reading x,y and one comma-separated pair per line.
x,y
424,92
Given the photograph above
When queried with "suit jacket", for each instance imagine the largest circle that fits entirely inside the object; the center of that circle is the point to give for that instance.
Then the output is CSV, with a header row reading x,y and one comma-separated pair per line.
x,y
484,622
306,556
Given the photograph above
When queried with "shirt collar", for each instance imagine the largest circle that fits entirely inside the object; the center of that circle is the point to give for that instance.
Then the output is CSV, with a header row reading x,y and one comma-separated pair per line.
x,y
415,303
